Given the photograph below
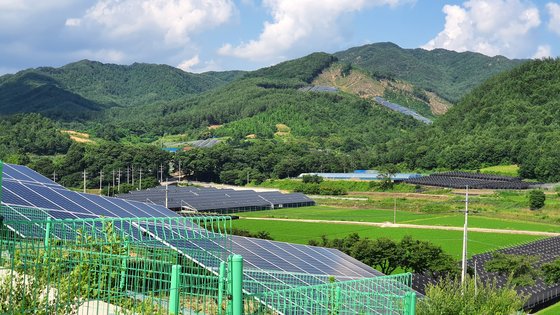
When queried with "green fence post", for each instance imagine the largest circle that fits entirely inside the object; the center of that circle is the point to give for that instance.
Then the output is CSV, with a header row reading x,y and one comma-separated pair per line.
x,y
337,297
47,239
124,264
237,284
1,174
410,303
221,283
174,291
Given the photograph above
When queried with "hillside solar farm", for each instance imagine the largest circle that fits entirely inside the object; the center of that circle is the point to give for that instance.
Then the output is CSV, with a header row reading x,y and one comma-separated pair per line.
x,y
374,180
144,258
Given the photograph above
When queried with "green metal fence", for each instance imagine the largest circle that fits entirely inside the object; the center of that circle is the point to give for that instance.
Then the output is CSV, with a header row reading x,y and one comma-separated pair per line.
x,y
329,295
110,266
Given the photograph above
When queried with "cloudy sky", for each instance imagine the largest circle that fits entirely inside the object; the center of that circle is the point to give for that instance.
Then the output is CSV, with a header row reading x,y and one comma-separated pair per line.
x,y
203,35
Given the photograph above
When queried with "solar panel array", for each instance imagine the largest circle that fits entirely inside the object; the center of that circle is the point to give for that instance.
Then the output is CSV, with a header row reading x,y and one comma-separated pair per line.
x,y
319,88
473,180
22,187
207,143
402,109
218,200
546,250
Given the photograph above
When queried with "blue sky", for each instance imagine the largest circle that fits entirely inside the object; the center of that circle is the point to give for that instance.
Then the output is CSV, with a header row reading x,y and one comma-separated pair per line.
x,y
204,35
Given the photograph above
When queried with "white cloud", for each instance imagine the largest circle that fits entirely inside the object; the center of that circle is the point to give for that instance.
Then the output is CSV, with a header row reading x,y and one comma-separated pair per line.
x,y
543,51
174,20
299,23
554,11
498,27
73,22
189,63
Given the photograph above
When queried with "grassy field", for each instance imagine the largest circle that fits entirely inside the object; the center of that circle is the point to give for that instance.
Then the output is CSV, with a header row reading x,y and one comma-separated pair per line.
x,y
551,310
374,215
505,170
450,241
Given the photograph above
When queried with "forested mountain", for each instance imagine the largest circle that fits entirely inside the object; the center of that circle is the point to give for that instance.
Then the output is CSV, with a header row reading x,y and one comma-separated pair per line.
x,y
512,118
268,103
449,74
81,90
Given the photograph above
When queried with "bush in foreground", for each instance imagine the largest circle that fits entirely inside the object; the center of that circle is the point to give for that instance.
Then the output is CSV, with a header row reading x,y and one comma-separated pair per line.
x,y
450,297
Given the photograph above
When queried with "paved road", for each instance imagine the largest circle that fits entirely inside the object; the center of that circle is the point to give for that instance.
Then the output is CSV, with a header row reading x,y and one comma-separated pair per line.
x,y
411,226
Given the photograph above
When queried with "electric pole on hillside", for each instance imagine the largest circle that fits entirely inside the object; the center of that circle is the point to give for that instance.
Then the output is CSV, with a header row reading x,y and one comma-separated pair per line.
x,y
100,181
113,179
166,194
119,181
464,254
84,181
54,176
140,179
395,211
128,175
132,173
161,173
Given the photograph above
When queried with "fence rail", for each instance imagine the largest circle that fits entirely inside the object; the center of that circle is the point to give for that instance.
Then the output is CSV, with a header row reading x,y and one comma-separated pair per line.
x,y
159,266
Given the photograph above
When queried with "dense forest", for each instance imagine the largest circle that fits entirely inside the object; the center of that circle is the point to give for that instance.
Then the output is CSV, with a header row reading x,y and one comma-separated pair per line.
x,y
84,89
512,118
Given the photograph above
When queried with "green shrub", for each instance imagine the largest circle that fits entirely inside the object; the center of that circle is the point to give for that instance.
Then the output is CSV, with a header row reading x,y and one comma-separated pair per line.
x,y
474,297
312,179
536,199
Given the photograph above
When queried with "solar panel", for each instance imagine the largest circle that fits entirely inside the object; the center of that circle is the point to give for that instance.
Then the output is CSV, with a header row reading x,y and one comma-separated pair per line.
x,y
25,174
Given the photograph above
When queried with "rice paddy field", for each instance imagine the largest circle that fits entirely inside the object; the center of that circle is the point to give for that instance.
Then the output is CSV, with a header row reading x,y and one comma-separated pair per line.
x,y
450,241
503,210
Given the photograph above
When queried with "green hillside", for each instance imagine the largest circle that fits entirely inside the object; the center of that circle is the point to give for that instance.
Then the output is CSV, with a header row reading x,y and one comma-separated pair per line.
x,y
255,105
449,74
81,90
513,118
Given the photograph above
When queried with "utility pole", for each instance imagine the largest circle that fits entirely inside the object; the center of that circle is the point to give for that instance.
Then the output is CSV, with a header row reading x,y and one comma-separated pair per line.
x,y
128,175
54,176
132,173
395,211
464,256
113,179
84,181
166,195
100,181
161,173
119,181
140,179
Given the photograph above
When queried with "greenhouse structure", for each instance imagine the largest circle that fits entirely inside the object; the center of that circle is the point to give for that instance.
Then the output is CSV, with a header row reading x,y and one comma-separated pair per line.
x,y
63,252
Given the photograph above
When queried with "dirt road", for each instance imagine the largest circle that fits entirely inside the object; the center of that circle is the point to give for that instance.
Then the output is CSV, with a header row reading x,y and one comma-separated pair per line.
x,y
412,226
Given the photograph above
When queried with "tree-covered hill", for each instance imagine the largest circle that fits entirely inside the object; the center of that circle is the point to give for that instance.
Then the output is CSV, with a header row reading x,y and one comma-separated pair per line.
x,y
268,104
447,73
512,118
82,89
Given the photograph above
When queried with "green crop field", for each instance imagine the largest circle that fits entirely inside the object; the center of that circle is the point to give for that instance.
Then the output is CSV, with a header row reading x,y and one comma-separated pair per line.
x,y
374,215
450,241
506,170
551,310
